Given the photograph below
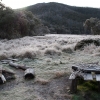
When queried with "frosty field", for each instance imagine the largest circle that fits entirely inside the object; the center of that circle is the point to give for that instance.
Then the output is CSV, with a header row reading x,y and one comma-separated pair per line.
x,y
51,56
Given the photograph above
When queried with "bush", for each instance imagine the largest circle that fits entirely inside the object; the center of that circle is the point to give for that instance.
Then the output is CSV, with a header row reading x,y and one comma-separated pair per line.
x,y
85,42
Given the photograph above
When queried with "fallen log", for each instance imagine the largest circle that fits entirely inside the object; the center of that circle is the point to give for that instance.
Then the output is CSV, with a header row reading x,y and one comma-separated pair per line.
x,y
12,64
6,75
8,60
2,78
29,73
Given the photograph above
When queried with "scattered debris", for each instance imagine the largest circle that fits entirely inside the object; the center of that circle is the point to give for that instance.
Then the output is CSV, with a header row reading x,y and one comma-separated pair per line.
x,y
6,75
29,73
12,64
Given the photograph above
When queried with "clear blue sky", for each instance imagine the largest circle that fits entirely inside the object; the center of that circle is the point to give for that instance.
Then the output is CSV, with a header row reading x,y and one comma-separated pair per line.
x,y
22,3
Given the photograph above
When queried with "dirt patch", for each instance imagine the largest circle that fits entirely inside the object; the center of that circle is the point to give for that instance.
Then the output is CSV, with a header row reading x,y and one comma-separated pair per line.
x,y
54,89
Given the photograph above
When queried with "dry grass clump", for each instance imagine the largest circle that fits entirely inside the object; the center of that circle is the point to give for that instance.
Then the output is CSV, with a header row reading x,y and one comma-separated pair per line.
x,y
59,74
56,46
97,49
62,42
3,56
52,51
67,50
48,59
28,54
90,48
41,81
96,54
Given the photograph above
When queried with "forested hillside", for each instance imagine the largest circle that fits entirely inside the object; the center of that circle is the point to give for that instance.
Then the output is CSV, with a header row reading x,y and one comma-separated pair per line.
x,y
44,18
62,18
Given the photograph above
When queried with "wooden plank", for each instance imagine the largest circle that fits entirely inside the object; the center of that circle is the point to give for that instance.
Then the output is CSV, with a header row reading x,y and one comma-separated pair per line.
x,y
75,67
97,77
87,68
93,76
99,86
87,76
72,76
73,86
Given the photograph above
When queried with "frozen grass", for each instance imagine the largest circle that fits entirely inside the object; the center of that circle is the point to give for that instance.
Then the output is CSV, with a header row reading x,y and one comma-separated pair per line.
x,y
48,69
35,46
52,51
41,81
67,49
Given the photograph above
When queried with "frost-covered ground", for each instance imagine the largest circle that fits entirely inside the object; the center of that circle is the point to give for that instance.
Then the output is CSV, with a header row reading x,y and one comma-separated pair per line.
x,y
38,45
51,56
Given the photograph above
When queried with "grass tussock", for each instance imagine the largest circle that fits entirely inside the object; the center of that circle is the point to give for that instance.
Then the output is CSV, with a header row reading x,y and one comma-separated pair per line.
x,y
67,50
90,48
52,51
59,74
41,81
3,56
56,46
28,54
96,54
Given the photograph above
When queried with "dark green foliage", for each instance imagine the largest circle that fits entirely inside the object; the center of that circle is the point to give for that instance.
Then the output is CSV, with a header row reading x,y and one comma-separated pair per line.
x,y
87,90
92,25
87,96
80,45
14,24
87,85
62,18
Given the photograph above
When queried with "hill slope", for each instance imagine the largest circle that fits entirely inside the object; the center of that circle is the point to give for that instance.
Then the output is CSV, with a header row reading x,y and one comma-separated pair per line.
x,y
62,18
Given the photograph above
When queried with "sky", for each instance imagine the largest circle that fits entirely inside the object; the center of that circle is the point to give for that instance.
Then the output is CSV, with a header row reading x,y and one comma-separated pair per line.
x,y
14,4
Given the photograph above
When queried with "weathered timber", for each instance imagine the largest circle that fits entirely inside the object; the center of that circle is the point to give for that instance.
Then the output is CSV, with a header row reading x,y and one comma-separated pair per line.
x,y
8,74
12,64
72,76
2,78
87,76
73,86
99,86
11,59
8,60
87,69
88,72
93,75
97,77
29,73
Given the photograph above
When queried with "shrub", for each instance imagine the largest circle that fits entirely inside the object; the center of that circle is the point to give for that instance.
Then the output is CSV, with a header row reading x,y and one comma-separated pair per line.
x,y
80,45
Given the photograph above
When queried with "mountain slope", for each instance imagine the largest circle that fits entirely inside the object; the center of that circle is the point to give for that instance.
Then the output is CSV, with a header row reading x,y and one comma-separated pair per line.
x,y
62,18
